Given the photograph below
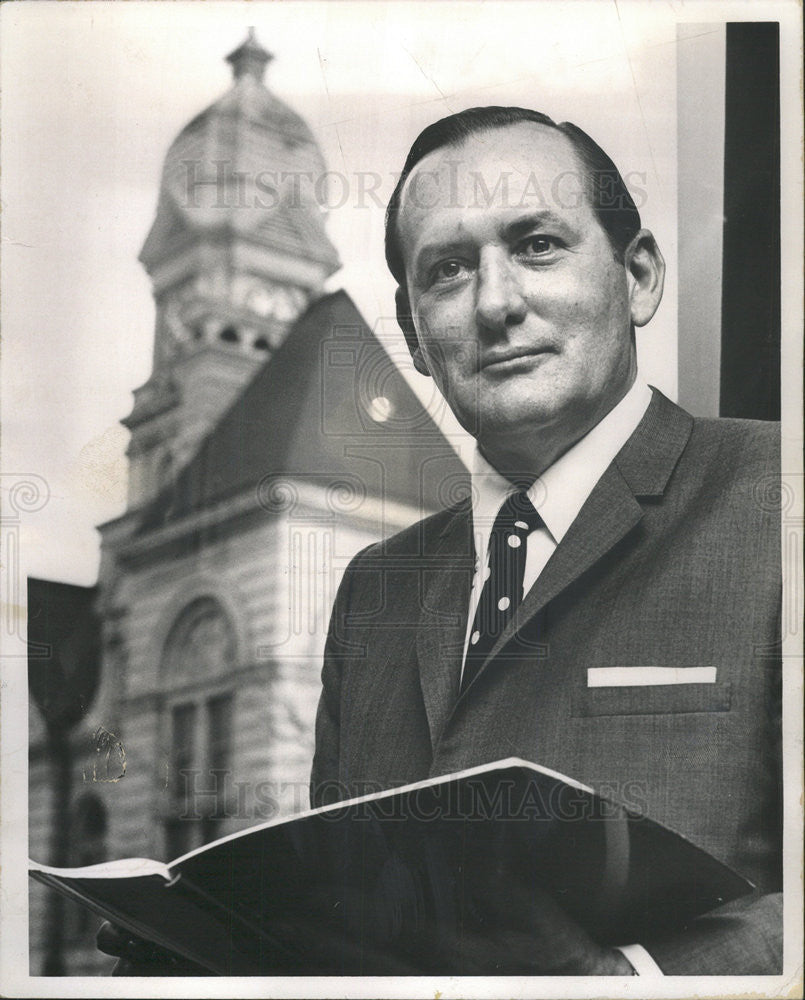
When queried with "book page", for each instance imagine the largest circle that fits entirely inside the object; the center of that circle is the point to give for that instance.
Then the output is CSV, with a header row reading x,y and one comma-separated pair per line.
x,y
122,868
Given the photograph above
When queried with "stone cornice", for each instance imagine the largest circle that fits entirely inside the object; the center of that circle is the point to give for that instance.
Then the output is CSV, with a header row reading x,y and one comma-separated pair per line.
x,y
293,497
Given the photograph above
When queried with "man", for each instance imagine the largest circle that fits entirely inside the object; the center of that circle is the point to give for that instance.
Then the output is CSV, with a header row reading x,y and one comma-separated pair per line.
x,y
523,271
631,546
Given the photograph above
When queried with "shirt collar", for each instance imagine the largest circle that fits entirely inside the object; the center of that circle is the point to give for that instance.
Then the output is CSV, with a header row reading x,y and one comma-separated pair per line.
x,y
561,491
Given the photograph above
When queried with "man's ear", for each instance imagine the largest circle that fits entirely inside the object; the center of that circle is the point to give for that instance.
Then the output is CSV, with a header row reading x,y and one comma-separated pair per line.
x,y
645,270
406,323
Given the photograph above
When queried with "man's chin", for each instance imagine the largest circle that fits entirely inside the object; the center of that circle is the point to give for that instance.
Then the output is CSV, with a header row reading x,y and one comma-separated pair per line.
x,y
512,416
520,408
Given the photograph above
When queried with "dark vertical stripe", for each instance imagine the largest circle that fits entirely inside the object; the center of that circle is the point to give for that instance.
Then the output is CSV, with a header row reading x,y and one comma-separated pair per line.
x,y
750,316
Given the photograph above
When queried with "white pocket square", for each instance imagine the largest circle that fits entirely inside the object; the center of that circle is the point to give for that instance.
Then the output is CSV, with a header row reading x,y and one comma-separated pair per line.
x,y
646,676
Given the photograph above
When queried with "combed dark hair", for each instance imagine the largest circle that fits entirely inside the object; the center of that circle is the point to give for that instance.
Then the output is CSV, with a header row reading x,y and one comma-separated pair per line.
x,y
606,191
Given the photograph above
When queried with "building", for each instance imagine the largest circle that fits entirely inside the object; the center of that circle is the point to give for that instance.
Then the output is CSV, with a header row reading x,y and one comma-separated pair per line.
x,y
273,439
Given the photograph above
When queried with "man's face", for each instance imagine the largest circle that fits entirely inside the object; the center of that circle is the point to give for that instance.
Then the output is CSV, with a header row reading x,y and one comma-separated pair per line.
x,y
522,312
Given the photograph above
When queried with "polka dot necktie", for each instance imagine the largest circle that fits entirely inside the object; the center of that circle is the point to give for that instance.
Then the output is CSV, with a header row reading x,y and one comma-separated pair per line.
x,y
503,584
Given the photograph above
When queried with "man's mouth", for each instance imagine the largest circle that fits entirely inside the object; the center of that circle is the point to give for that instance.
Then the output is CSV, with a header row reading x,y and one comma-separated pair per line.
x,y
512,358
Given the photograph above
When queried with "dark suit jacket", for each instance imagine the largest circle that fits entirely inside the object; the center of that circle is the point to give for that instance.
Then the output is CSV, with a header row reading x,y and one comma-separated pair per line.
x,y
674,560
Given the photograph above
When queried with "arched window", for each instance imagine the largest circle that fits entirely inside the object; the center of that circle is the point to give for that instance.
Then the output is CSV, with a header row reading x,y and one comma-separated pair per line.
x,y
229,335
201,643
198,659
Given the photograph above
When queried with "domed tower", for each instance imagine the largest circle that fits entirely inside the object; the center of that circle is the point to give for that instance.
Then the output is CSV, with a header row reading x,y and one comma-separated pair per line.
x,y
236,252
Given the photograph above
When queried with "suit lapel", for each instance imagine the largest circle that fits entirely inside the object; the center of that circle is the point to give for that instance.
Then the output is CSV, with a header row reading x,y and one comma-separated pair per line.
x,y
641,469
609,514
446,584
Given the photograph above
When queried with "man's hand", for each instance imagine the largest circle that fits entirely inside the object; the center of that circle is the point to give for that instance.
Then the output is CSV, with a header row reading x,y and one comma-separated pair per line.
x,y
139,958
511,926
528,935
524,932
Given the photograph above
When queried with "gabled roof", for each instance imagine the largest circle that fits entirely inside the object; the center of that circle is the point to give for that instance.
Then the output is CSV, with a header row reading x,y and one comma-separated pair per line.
x,y
329,407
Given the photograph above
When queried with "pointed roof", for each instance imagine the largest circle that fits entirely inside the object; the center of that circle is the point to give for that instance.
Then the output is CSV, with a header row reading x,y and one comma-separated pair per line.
x,y
330,406
222,173
250,57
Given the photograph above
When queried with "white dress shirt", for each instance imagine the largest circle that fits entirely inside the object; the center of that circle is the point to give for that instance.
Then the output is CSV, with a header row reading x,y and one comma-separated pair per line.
x,y
558,495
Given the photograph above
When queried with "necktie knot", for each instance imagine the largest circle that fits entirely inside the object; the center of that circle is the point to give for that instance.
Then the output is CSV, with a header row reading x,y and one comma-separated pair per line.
x,y
517,514
503,584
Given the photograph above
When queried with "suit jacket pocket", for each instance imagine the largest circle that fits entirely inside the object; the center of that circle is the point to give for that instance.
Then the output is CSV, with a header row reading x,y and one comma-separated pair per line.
x,y
654,699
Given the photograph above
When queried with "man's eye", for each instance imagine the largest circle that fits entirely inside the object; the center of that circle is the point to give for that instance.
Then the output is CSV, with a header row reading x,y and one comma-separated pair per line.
x,y
537,246
448,269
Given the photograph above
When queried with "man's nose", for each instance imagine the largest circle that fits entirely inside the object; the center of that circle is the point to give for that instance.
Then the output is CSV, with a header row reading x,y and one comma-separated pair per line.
x,y
499,299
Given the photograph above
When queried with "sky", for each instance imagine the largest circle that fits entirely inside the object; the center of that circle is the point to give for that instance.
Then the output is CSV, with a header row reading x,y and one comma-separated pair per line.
x,y
94,93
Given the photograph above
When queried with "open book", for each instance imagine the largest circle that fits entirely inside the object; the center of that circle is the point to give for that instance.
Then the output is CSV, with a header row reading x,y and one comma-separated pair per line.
x,y
374,884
